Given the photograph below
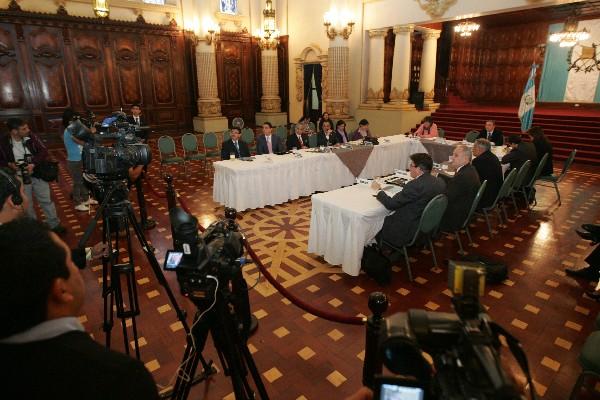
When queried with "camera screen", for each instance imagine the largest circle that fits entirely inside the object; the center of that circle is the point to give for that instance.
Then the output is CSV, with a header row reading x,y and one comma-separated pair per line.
x,y
396,392
173,259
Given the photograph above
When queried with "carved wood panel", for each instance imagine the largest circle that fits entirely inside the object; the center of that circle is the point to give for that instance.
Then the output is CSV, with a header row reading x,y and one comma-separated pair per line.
x,y
92,75
12,95
159,54
128,68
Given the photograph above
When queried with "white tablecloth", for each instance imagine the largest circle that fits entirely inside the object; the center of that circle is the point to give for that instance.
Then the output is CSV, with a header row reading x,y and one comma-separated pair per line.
x,y
342,222
271,180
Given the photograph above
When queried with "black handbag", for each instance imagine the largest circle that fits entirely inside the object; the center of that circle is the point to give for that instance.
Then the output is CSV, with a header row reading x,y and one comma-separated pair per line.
x,y
46,171
495,271
376,265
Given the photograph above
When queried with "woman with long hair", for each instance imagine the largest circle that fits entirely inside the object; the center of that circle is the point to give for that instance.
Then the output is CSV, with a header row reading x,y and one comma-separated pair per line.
x,y
542,146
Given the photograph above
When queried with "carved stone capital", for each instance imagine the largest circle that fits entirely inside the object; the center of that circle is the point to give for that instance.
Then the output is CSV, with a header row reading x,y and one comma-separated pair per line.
x,y
398,29
270,104
338,109
373,33
431,35
435,8
209,107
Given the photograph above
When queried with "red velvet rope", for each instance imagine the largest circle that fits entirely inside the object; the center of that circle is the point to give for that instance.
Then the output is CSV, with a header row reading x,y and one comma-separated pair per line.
x,y
334,317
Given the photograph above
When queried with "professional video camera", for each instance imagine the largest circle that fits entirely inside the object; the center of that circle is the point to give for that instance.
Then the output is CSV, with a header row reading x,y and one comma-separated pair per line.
x,y
464,348
110,162
209,272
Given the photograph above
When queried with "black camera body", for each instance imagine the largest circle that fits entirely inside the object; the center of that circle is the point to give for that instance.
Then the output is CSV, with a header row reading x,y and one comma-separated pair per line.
x,y
110,162
464,347
203,261
25,176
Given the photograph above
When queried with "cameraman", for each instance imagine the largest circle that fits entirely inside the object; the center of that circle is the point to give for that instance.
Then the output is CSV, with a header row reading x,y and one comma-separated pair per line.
x,y
45,351
21,150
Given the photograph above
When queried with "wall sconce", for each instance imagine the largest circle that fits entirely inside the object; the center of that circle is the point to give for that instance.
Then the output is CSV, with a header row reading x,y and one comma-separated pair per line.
x,y
338,24
210,28
101,8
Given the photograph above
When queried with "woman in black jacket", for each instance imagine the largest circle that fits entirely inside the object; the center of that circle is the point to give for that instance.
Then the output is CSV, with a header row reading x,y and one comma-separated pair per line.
x,y
542,146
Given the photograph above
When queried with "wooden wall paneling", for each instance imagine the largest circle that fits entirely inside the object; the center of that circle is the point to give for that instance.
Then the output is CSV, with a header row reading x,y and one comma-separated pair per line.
x,y
284,71
128,78
388,60
92,77
159,50
14,96
257,68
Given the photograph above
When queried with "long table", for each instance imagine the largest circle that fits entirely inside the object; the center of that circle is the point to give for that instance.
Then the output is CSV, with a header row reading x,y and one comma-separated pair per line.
x,y
276,179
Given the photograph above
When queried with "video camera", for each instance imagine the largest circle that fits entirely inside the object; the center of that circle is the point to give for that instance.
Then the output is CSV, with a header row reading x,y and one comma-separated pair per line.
x,y
464,348
216,253
110,162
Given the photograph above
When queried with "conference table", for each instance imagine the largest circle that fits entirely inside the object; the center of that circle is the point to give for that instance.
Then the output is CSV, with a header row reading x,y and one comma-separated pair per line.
x,y
269,180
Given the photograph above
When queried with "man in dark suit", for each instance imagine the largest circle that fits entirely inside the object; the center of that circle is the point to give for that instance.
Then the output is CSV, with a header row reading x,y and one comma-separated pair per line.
x,y
489,169
41,338
460,189
267,143
298,139
520,152
234,146
326,137
136,118
400,227
491,133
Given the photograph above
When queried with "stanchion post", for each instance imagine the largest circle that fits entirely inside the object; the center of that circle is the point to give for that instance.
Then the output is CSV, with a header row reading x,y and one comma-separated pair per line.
x,y
171,195
378,304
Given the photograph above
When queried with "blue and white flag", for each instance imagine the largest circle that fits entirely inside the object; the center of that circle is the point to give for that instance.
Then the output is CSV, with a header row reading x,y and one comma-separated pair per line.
x,y
527,105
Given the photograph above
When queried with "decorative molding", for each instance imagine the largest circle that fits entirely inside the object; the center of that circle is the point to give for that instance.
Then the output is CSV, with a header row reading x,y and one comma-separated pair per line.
x,y
377,33
395,94
430,95
14,6
398,29
209,107
435,8
270,104
303,59
174,8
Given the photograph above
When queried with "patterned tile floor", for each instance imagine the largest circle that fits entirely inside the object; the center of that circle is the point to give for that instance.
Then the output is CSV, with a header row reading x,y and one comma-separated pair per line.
x,y
301,356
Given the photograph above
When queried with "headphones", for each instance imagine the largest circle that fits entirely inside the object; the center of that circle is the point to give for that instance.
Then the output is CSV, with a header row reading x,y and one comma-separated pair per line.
x,y
16,194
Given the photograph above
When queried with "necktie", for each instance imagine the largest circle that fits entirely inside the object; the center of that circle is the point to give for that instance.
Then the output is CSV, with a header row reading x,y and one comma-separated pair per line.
x,y
269,146
489,135
237,147
137,121
300,140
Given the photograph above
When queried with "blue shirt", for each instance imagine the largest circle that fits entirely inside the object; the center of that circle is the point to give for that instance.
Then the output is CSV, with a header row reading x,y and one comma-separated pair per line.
x,y
73,149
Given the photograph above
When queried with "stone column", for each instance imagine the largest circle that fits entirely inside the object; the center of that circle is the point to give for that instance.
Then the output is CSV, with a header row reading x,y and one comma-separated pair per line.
x,y
337,102
270,102
428,63
376,60
209,106
400,91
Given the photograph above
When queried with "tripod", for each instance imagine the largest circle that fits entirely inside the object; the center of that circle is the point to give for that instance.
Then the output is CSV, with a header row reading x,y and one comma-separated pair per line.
x,y
117,213
229,335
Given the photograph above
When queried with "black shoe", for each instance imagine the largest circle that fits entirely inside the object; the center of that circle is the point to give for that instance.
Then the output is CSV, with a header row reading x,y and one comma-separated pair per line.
x,y
594,294
584,235
149,224
589,273
591,228
59,229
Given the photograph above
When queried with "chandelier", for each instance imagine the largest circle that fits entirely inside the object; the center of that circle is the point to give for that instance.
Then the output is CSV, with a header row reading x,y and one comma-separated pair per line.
x,y
466,28
268,36
569,36
101,8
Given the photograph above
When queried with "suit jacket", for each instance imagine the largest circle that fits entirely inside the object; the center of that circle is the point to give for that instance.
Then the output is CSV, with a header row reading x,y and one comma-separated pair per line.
x,y
461,191
72,366
292,141
541,148
488,168
276,144
35,146
399,228
517,157
497,137
322,139
141,133
340,139
357,136
228,147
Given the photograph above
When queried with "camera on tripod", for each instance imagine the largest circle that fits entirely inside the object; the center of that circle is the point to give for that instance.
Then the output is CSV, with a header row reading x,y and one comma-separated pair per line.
x,y
464,347
110,162
216,253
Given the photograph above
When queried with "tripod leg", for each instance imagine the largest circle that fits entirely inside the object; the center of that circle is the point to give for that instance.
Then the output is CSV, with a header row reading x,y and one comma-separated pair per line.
x,y
107,290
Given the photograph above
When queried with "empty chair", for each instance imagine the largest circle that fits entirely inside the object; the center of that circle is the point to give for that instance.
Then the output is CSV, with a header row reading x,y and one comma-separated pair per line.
x,y
281,132
189,142
168,152
519,181
428,225
313,141
555,180
226,135
248,137
502,193
465,224
211,145
441,133
472,136
528,190
312,126
589,359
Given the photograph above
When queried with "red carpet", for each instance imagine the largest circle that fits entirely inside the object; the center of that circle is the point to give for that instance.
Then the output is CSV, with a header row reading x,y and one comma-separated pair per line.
x,y
567,129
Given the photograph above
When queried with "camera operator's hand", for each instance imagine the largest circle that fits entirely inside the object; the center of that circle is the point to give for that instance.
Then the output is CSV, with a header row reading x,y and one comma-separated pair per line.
x,y
93,129
30,168
99,250
363,393
135,172
13,165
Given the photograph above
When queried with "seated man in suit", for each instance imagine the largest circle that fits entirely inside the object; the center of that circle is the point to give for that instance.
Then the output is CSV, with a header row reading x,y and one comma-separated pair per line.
x,y
142,130
362,131
488,168
267,143
327,136
42,294
520,152
460,189
491,133
234,146
400,227
298,140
